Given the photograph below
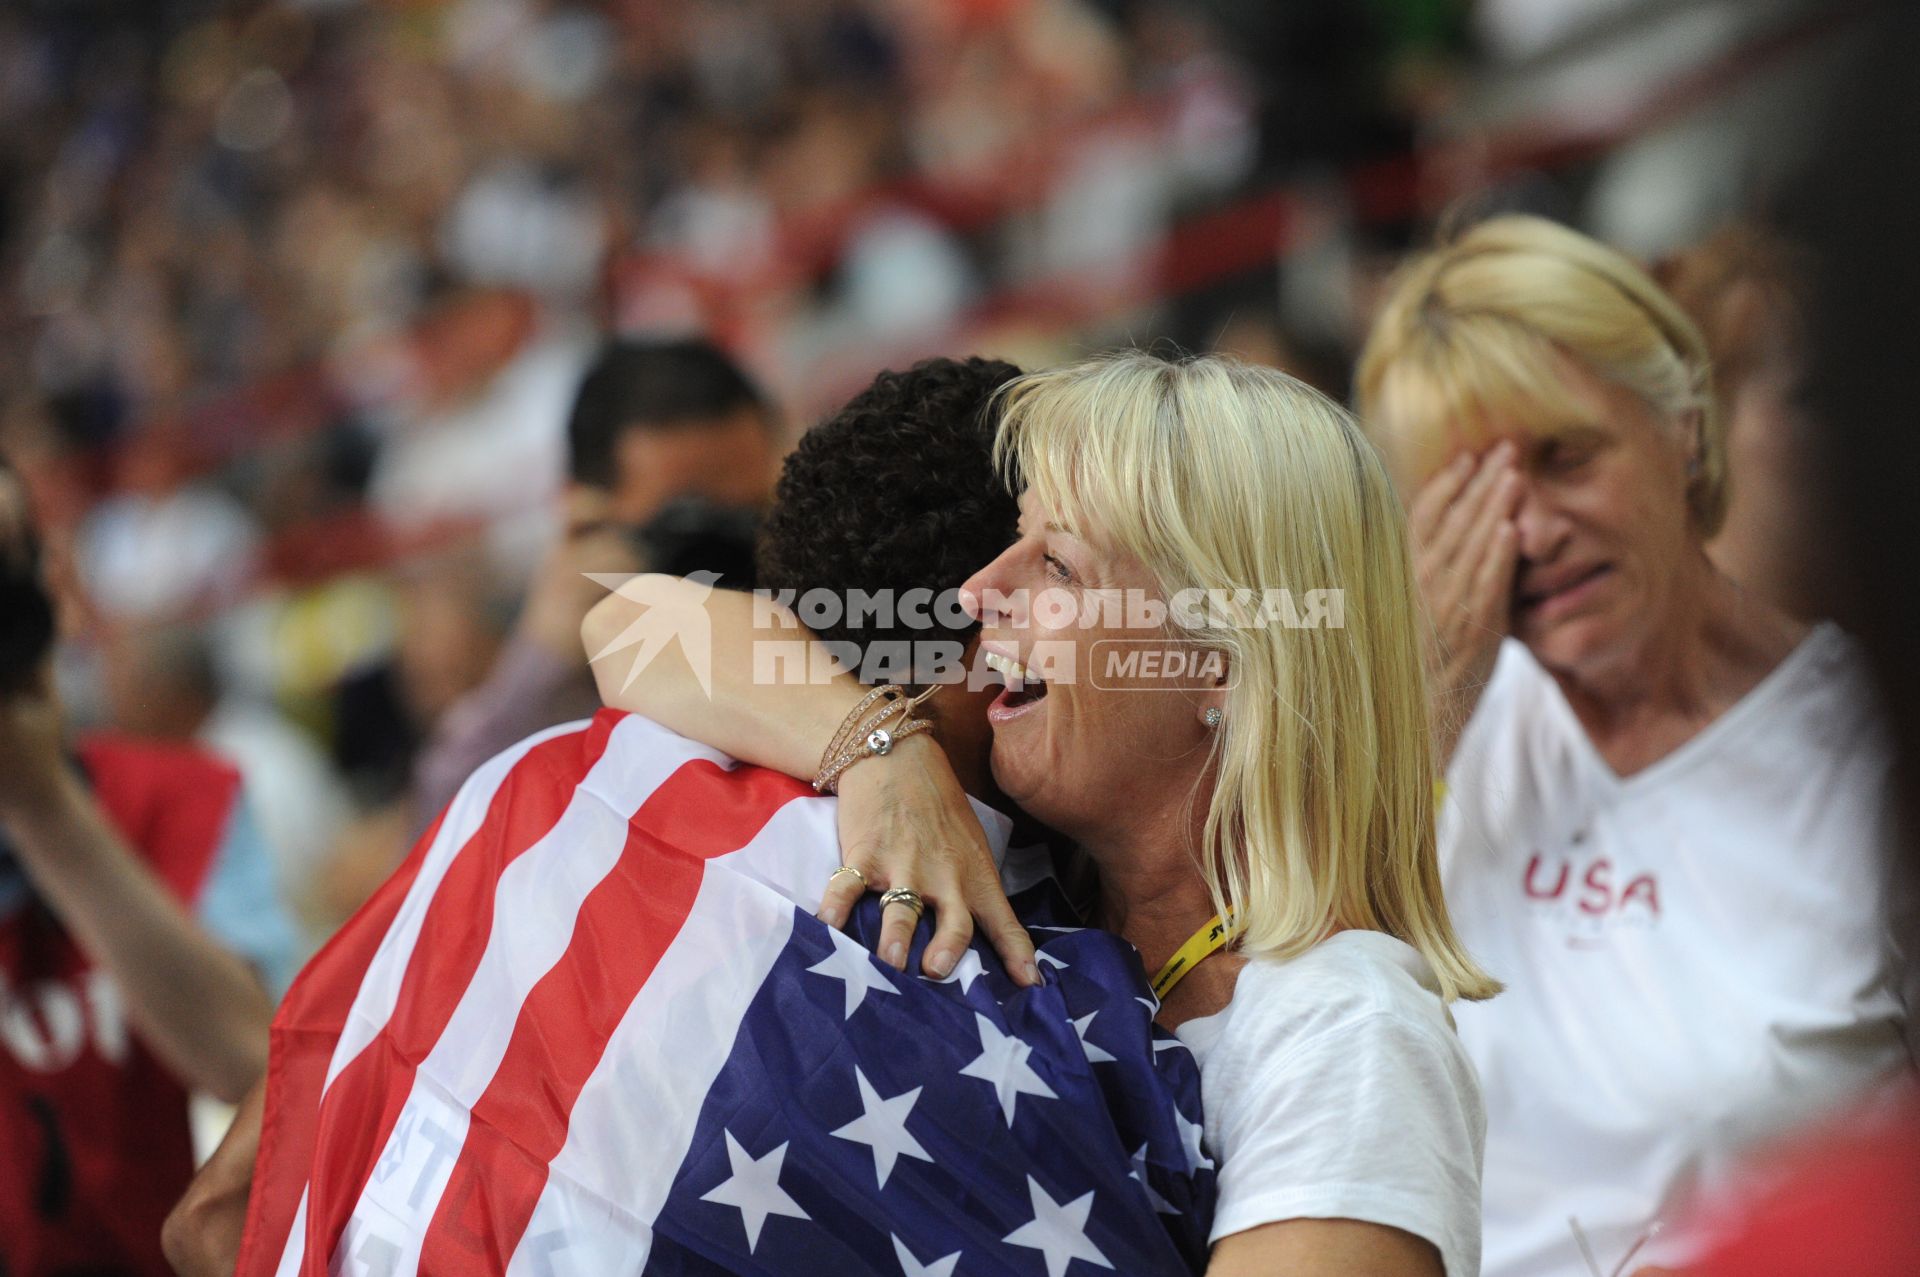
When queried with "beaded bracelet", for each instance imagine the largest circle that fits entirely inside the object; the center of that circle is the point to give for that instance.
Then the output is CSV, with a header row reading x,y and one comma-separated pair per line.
x,y
867,732
879,742
862,719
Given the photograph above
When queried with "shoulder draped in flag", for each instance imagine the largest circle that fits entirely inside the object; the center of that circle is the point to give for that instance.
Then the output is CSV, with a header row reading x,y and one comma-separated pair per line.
x,y
591,1027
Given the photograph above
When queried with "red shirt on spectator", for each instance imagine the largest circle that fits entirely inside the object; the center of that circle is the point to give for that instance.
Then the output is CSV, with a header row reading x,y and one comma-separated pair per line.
x,y
94,1139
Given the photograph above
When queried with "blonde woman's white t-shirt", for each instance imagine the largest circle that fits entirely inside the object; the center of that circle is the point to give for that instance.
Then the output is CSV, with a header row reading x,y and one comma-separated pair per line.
x,y
1696,956
1335,1088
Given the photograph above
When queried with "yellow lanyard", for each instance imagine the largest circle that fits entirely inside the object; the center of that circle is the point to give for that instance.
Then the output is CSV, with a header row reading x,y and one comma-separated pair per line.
x,y
1201,943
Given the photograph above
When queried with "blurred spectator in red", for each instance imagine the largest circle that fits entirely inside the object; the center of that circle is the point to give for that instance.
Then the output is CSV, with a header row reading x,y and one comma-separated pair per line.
x,y
139,934
162,683
669,446
1743,286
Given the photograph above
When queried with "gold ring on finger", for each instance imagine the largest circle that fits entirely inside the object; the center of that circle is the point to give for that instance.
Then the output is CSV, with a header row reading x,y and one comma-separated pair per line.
x,y
849,869
904,896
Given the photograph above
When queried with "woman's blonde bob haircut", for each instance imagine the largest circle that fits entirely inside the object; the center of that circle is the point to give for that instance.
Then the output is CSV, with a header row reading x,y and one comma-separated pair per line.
x,y
1221,476
1477,330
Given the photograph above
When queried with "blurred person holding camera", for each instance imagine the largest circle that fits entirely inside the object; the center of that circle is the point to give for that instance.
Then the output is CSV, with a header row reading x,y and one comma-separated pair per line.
x,y
1667,799
671,453
139,932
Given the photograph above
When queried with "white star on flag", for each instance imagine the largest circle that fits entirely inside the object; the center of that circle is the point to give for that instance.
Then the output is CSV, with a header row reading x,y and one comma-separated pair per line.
x,y
1094,1054
754,1189
1049,959
1139,1172
883,1127
911,1267
850,963
1190,1133
1153,1007
1003,1062
1058,1232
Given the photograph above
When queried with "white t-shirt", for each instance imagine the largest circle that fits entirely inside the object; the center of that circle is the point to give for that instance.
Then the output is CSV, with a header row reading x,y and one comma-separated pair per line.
x,y
1335,1089
1695,956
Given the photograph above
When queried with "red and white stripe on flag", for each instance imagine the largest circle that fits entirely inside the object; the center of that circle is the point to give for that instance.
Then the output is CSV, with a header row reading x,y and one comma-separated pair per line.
x,y
467,1070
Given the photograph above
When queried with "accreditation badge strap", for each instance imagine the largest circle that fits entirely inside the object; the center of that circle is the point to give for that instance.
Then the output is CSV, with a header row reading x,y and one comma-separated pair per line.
x,y
1215,933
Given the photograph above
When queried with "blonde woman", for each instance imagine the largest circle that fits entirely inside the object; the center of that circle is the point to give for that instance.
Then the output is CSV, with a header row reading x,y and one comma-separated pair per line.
x,y
1665,814
1194,507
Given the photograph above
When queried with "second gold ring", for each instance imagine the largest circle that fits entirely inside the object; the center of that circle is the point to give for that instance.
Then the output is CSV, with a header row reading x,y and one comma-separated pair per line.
x,y
904,896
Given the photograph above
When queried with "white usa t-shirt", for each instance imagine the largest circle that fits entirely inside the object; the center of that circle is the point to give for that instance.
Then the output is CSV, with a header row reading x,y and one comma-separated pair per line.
x,y
1335,1088
1696,956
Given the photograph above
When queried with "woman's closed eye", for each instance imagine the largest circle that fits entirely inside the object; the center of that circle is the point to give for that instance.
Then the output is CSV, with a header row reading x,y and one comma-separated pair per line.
x,y
1057,570
1564,456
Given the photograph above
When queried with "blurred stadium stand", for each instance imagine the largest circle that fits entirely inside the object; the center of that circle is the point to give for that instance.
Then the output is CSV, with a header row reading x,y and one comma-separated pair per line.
x,y
295,294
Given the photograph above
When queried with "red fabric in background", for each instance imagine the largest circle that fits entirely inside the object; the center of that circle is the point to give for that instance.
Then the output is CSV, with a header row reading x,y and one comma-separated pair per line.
x,y
1850,1205
95,1146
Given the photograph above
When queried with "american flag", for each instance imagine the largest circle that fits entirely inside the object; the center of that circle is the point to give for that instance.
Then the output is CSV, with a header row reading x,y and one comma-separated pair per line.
x,y
591,1027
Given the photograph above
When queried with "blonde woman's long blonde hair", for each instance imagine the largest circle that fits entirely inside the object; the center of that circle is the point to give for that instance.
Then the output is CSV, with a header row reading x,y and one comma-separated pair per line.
x,y
1218,475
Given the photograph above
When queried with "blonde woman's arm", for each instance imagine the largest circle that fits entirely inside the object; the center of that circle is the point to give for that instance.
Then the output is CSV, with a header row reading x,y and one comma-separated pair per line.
x,y
719,666
740,673
1324,1248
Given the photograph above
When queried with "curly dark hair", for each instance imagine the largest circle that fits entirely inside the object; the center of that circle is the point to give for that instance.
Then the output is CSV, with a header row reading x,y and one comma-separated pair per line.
x,y
896,491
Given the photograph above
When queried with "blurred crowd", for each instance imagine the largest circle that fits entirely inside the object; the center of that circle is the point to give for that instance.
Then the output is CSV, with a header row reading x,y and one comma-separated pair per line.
x,y
298,295
338,340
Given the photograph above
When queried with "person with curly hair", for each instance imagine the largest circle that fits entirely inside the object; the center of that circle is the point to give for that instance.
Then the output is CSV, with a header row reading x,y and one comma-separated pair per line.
x,y
1243,773
894,495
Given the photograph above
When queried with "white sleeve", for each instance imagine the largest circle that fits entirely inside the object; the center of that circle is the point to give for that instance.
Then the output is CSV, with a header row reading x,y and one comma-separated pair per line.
x,y
1376,1119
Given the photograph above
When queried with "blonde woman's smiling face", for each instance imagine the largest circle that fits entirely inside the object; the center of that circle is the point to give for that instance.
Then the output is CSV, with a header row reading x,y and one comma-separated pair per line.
x,y
1080,740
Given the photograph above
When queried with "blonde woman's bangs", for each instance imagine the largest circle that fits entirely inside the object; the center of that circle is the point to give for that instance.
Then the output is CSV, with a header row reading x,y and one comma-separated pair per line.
x,y
1044,445
1480,331
1099,451
1241,481
1487,379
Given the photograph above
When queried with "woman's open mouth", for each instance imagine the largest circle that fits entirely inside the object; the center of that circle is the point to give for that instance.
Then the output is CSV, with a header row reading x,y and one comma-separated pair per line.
x,y
1022,692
